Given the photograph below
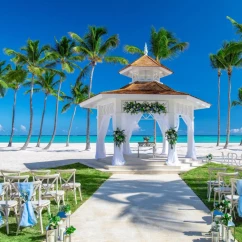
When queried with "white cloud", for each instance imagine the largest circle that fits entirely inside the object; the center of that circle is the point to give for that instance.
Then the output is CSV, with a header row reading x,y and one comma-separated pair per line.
x,y
23,128
1,128
236,131
138,128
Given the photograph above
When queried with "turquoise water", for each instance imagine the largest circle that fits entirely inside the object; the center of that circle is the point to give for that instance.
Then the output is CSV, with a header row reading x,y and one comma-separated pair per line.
x,y
109,139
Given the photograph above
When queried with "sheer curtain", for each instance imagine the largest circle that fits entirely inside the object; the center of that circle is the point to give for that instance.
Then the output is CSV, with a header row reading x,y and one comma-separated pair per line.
x,y
172,159
191,150
129,123
163,122
103,124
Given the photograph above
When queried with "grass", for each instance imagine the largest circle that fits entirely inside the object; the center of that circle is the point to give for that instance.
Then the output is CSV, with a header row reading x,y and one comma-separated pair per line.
x,y
197,179
90,180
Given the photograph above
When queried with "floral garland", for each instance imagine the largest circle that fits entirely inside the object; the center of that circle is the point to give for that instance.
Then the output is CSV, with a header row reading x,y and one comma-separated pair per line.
x,y
171,136
145,107
118,137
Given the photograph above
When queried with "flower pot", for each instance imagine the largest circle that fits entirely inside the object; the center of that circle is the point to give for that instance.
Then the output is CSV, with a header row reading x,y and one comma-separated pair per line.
x,y
51,235
67,238
215,236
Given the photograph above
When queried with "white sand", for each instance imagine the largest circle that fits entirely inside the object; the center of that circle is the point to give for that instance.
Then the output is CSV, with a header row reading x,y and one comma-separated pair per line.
x,y
33,158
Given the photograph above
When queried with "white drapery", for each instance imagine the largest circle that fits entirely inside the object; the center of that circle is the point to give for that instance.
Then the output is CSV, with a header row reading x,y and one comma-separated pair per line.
x,y
118,158
103,123
130,121
191,150
172,159
163,122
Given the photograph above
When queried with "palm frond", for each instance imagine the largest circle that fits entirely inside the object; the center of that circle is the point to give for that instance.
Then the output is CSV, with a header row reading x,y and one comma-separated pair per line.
x,y
236,25
66,107
133,50
115,60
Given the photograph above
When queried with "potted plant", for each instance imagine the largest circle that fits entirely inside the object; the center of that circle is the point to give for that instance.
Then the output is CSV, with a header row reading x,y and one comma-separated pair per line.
x,y
146,138
209,157
70,230
67,209
51,229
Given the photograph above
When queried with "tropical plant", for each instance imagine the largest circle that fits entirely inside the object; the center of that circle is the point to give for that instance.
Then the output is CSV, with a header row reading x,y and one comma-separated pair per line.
x,y
70,230
31,56
237,26
163,45
218,66
46,83
15,78
93,47
79,93
62,54
238,102
3,71
229,56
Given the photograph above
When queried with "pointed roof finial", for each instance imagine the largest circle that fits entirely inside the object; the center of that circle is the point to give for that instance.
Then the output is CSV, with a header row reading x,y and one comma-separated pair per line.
x,y
146,49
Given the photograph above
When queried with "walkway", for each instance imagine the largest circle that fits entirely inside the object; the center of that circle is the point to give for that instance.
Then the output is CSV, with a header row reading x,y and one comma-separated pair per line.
x,y
142,208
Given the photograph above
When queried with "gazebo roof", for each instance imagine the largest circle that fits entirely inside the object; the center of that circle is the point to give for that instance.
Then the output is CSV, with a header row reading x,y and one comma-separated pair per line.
x,y
139,87
145,61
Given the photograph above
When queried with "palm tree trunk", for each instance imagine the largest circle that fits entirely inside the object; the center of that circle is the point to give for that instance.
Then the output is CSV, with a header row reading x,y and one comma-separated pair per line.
x,y
69,131
229,108
218,138
42,121
13,118
88,146
56,117
31,114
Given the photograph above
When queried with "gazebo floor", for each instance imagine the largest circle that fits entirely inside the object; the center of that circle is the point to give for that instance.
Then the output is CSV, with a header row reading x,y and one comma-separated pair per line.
x,y
146,164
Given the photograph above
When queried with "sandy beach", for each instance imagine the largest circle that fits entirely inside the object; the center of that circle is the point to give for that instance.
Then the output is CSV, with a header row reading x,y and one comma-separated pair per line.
x,y
59,154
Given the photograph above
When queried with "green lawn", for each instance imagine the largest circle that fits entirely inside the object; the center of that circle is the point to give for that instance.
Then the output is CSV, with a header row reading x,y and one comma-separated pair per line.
x,y
197,179
90,179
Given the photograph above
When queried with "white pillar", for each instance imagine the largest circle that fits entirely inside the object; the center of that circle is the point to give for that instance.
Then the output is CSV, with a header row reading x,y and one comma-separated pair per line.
x,y
172,158
118,158
102,128
191,150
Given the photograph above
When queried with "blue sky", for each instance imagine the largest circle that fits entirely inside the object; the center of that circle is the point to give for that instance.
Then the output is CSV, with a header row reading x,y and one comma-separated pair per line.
x,y
201,23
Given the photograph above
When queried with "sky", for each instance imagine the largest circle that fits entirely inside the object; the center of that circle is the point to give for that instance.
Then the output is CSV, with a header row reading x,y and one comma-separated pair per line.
x,y
201,23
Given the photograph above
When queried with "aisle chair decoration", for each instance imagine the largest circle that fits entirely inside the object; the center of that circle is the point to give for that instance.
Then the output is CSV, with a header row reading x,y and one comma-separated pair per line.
x,y
52,228
69,231
27,215
1,192
239,191
209,157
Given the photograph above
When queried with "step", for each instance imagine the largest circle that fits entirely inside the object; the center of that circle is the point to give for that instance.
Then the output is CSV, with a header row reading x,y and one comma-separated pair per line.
x,y
149,172
139,167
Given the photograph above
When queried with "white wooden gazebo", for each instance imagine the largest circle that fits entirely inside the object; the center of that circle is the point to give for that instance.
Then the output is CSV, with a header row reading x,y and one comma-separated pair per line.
x,y
145,86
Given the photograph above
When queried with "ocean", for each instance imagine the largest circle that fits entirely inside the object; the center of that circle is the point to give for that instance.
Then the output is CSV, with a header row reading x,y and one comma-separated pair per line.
x,y
109,139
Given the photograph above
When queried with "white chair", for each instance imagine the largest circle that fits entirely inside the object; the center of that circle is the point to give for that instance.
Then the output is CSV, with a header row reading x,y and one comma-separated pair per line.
x,y
9,173
38,205
7,205
224,187
68,183
47,192
233,197
211,183
41,172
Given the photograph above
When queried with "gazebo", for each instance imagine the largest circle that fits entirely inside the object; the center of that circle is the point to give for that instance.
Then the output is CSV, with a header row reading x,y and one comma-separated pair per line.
x,y
145,87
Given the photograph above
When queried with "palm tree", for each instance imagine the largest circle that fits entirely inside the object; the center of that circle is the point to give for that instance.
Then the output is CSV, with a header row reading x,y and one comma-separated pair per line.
x,y
229,57
79,94
62,54
95,49
3,71
15,78
237,26
31,56
217,65
238,102
46,84
163,45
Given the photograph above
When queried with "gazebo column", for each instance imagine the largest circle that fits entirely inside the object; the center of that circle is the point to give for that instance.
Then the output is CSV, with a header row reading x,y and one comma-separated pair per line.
x,y
118,158
172,158
191,150
130,121
165,143
102,128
